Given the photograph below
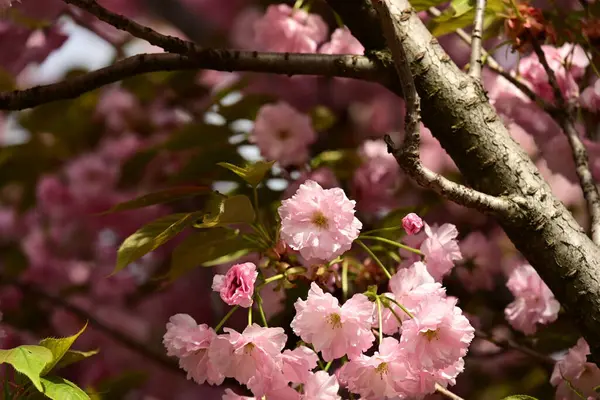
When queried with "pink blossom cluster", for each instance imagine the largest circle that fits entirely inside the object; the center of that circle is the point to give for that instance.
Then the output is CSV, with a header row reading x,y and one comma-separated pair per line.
x,y
574,376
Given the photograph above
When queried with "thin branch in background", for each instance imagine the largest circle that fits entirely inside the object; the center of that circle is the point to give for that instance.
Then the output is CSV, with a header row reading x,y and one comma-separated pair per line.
x,y
349,66
445,392
120,337
408,155
168,43
564,115
476,43
509,344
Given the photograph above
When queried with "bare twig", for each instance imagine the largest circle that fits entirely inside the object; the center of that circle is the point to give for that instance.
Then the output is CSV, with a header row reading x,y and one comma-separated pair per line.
x,y
408,155
509,344
120,337
445,392
563,114
350,66
476,44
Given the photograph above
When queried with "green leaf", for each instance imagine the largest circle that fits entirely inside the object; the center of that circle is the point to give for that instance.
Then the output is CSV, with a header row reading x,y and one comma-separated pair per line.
x,y
519,397
75,356
227,211
251,173
322,118
59,347
204,247
151,236
57,388
163,196
461,14
28,360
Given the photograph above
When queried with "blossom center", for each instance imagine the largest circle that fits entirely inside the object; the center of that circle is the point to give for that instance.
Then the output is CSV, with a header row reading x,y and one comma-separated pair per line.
x,y
320,220
248,348
283,134
430,334
382,369
335,320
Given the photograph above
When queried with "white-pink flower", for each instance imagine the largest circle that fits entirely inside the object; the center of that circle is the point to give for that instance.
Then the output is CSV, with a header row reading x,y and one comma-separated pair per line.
x,y
319,223
480,265
321,386
422,382
231,395
575,372
333,330
437,336
342,42
412,224
250,357
190,342
590,98
298,363
534,302
284,29
379,376
441,249
237,286
283,134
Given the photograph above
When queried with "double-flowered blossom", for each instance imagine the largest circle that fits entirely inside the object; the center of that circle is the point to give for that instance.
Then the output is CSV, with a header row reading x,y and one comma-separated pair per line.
x,y
321,386
441,249
283,134
284,29
412,224
190,342
333,330
438,335
319,223
237,286
574,373
534,302
298,363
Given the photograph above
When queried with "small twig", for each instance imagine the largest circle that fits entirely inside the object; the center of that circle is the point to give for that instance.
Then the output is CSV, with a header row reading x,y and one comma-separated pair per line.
x,y
445,392
114,334
509,344
476,44
563,114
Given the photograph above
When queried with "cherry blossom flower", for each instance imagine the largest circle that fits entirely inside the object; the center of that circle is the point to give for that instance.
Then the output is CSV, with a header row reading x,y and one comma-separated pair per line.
x,y
438,335
379,376
284,29
422,382
335,331
283,134
590,98
237,286
480,262
298,363
342,42
534,302
574,370
250,357
441,249
324,176
231,395
190,343
321,386
319,223
412,224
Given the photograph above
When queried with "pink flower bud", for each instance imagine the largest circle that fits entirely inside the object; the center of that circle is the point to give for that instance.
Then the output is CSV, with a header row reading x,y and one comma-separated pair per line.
x,y
412,223
237,286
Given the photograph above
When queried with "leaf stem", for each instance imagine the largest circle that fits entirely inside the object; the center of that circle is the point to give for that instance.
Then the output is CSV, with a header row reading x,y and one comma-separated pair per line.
x,y
375,258
393,243
261,311
380,318
225,318
401,307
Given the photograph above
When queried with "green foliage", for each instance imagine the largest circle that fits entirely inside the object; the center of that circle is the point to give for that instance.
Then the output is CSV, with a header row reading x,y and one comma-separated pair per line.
x,y
519,397
29,360
74,356
461,13
151,236
205,246
222,211
422,5
322,118
57,388
58,347
251,173
160,197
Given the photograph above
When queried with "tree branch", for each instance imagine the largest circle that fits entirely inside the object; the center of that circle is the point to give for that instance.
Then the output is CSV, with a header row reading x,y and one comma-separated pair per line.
x,y
408,155
476,45
564,116
350,66
169,43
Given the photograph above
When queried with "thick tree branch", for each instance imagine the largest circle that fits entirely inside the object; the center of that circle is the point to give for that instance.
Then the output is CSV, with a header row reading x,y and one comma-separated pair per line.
x,y
408,154
476,45
564,116
350,66
457,111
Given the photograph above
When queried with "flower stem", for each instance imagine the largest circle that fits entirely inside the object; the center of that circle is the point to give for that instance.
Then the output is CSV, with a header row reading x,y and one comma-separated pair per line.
x,y
380,317
225,318
375,258
249,315
345,280
393,243
269,280
389,229
401,307
261,310
328,366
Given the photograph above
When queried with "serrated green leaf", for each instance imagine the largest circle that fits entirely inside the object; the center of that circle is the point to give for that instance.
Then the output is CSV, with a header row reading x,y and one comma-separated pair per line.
x,y
160,197
75,356
203,247
59,347
519,397
227,211
57,388
251,173
461,14
28,360
151,236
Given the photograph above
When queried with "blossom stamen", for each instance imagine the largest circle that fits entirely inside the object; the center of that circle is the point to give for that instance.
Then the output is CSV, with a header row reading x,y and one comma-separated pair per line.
x,y
335,320
320,220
